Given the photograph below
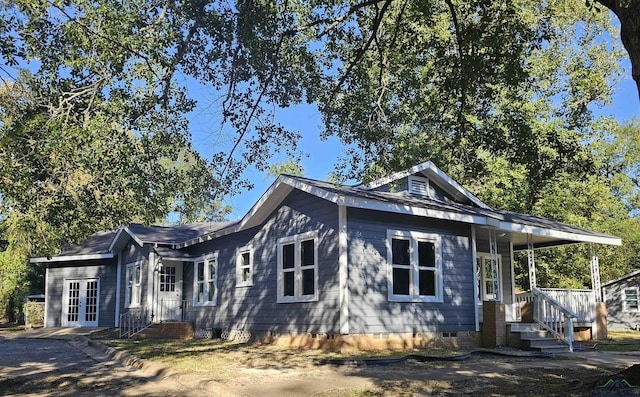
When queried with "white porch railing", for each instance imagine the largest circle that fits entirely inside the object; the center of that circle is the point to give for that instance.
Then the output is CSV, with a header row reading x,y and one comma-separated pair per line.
x,y
582,302
134,321
553,316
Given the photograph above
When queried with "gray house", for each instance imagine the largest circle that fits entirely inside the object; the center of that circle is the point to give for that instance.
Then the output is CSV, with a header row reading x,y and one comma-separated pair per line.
x,y
404,259
622,299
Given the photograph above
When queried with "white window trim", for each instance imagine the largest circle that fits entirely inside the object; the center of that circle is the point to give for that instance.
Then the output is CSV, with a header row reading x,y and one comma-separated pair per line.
x,y
239,253
205,259
414,237
296,240
481,269
624,300
412,179
138,289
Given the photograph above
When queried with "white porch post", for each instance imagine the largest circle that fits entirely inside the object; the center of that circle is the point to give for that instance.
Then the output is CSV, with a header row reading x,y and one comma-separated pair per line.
x,y
595,286
531,262
493,247
595,273
475,274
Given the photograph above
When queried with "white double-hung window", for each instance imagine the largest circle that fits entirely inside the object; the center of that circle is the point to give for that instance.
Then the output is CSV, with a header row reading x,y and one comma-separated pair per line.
x,y
205,280
298,268
133,279
630,300
414,266
244,267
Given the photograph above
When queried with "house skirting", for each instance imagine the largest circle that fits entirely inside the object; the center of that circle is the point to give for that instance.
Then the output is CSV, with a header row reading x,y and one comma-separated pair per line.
x,y
359,342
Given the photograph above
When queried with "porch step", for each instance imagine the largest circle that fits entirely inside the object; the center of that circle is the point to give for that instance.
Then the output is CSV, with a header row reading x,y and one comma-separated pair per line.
x,y
531,337
167,330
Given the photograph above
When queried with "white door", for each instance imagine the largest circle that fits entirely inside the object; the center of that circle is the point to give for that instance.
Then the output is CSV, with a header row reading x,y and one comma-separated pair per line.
x,y
485,278
170,292
80,303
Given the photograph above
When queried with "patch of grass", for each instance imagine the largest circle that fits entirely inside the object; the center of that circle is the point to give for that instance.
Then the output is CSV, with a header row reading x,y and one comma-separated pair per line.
x,y
624,336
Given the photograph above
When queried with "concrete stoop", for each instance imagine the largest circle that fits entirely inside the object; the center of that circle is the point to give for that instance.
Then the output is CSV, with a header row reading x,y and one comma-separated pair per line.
x,y
529,336
167,330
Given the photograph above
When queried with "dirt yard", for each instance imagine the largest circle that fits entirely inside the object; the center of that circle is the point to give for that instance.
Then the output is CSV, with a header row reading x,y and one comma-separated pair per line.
x,y
271,370
217,368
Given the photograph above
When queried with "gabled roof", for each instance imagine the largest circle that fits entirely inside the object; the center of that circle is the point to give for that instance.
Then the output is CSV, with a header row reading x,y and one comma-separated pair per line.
x,y
626,276
434,174
547,232
468,209
103,245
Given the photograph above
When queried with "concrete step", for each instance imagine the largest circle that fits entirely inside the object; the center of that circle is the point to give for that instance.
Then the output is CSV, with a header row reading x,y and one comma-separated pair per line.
x,y
544,345
523,327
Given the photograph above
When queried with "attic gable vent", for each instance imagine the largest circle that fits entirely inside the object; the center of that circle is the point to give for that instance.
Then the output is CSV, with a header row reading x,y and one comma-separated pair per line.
x,y
419,186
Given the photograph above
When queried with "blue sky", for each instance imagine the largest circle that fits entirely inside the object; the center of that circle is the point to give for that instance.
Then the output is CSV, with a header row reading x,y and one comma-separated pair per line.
x,y
322,155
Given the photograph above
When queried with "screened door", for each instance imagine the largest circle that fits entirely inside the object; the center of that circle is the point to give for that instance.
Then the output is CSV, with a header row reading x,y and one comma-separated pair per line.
x,y
80,303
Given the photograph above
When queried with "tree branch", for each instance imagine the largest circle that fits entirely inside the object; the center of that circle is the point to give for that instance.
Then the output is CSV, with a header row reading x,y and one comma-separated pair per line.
x,y
363,50
333,22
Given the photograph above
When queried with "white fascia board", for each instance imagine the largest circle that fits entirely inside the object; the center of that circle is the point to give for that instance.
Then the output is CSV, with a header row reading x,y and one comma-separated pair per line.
x,y
124,229
433,170
69,258
395,176
417,211
133,236
540,231
316,191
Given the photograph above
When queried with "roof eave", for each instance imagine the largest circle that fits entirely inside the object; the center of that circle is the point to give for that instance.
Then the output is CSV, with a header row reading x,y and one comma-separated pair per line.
x,y
71,258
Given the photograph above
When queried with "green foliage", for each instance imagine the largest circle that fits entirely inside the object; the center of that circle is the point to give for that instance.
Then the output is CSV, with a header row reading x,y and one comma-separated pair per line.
x,y
33,313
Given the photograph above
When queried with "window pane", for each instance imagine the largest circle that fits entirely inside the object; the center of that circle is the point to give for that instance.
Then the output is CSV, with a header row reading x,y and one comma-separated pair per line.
x,y
246,274
212,291
427,283
400,281
306,253
400,252
138,275
200,271
308,282
426,254
631,299
200,298
244,260
288,283
287,256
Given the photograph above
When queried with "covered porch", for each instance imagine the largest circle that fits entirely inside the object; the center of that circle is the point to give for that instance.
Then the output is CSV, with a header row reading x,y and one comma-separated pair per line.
x,y
562,313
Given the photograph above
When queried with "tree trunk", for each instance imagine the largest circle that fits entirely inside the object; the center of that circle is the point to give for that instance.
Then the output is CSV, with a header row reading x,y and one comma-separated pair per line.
x,y
628,12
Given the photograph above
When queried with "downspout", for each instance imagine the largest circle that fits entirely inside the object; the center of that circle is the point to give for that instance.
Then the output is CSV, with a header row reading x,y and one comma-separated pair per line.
x,y
474,261
118,286
46,295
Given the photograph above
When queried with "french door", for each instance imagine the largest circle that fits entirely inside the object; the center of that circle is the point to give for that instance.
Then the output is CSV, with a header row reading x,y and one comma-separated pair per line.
x,y
80,303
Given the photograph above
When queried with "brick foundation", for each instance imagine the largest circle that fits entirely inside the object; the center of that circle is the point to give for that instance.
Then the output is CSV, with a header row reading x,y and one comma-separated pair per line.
x,y
167,330
494,325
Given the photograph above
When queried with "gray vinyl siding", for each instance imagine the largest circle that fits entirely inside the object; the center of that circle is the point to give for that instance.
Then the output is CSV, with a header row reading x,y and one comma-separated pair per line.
x,y
105,270
617,318
370,311
256,307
